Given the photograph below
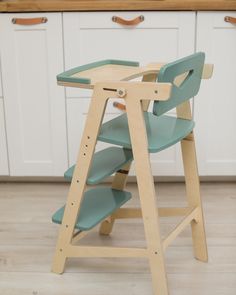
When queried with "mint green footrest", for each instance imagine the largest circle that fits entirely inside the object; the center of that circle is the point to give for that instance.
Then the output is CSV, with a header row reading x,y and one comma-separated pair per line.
x,y
97,204
105,163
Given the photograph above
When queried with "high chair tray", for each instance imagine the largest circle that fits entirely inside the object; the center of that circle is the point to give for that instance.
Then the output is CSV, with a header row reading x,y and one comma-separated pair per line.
x,y
87,75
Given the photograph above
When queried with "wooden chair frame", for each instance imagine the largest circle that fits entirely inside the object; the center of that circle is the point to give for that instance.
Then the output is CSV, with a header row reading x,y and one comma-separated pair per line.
x,y
137,96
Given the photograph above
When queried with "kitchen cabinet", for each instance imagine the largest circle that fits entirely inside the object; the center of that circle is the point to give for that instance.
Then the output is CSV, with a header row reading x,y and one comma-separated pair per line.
x,y
1,92
32,56
3,143
44,122
162,36
216,105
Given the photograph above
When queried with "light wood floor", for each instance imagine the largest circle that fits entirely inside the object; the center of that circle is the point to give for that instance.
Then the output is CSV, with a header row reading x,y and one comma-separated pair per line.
x,y
27,241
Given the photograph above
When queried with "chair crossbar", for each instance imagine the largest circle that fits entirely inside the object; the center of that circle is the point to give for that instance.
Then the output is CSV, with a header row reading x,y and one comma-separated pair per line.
x,y
192,215
124,213
89,251
132,213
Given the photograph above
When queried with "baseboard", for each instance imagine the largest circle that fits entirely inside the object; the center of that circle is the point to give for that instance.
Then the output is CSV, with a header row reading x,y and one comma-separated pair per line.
x,y
131,179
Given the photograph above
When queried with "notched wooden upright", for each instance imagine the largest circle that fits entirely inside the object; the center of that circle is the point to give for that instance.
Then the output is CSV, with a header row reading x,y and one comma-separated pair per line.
x,y
110,79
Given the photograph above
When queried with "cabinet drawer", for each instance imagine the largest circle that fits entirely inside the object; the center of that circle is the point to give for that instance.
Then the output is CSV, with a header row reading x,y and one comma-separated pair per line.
x,y
104,20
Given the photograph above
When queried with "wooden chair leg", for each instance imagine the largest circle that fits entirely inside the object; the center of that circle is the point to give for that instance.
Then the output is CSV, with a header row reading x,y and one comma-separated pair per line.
x,y
59,262
152,233
78,184
194,197
119,183
147,197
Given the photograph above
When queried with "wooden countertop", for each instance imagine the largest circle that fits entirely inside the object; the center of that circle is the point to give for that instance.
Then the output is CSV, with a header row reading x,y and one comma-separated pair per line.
x,y
105,5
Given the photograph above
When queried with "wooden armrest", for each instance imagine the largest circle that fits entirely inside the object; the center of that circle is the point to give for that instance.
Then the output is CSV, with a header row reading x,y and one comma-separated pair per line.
x,y
135,90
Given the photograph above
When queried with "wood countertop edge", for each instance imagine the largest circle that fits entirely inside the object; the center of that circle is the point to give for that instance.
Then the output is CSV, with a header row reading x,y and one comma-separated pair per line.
x,y
109,5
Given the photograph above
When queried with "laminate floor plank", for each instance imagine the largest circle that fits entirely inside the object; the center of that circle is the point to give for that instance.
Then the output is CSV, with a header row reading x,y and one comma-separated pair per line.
x,y
115,284
28,238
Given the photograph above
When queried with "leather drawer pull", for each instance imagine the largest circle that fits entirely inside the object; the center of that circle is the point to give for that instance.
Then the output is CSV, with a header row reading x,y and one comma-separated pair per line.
x,y
133,22
29,21
230,19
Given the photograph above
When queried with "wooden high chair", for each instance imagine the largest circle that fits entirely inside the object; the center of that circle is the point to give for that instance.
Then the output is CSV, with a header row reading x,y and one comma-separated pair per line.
x,y
136,133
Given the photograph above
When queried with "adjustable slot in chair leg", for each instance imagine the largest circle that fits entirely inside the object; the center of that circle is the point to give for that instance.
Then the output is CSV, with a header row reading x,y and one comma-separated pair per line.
x,y
194,197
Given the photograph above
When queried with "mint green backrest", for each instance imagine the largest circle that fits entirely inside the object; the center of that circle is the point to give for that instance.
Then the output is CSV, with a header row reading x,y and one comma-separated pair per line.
x,y
192,66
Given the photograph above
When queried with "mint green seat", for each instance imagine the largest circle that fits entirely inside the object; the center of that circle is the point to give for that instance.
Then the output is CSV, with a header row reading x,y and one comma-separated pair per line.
x,y
162,131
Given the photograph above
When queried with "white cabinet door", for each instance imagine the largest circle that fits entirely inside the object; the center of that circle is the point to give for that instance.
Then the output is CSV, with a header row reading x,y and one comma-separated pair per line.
x,y
32,56
1,92
3,143
162,36
215,106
